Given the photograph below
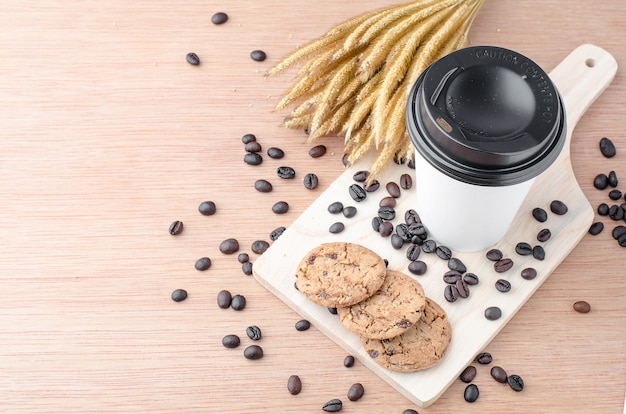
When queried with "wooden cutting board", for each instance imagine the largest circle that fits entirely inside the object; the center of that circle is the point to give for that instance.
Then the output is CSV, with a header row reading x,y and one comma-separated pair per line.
x,y
581,77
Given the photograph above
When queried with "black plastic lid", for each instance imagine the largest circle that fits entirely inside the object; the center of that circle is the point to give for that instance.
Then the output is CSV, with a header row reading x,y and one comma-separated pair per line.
x,y
487,116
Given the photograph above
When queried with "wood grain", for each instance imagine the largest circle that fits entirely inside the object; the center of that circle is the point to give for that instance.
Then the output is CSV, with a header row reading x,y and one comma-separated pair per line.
x,y
108,135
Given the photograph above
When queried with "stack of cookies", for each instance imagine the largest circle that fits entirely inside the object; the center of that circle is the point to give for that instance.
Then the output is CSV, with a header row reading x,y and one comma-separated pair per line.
x,y
400,328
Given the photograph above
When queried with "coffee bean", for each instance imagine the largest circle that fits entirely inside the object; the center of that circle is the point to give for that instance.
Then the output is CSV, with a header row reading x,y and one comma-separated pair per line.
x,y
417,267
450,293
492,313
349,211
253,352
376,222
494,255
253,146
333,406
418,231
337,227
361,176
499,374
539,253
456,264
192,59
348,361
612,179
387,202
393,189
310,181
303,325
618,232
277,232
503,285
260,246
429,246
294,385
411,217
203,263
253,158
332,311
582,306
231,341
357,193
529,273
223,299
406,182
179,295
471,393
468,374
409,411
396,241
275,153
616,212
443,252
335,207
229,246
248,138
413,252
452,276
219,18
386,213
462,288
601,181
484,358
372,187
544,235
402,230
207,208
280,207
558,207
258,55
246,268
515,382
503,265
355,392
615,195
238,302
471,279
607,148
176,228
540,214
286,173
317,151
621,240
263,186
254,332
385,229
523,249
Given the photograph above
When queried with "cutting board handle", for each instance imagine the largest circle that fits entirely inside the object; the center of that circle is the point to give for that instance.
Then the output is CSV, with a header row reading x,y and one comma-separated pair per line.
x,y
580,78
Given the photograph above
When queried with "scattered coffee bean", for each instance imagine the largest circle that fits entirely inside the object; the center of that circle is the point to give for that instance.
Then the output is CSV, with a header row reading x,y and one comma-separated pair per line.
x,y
456,264
263,186
248,138
385,229
503,285
317,151
471,279
310,181
462,288
286,173
499,374
396,241
176,228
355,392
294,385
443,252
618,232
336,227
494,255
219,18
544,235
349,211
253,146
452,276
601,181
280,207
258,55
529,273
357,193
413,252
277,232
335,207
539,252
393,189
523,249
179,295
607,148
406,182
260,246
303,325
582,306
388,201
540,214
332,311
231,341
515,382
429,246
253,352
207,208
361,176
238,302
333,405
254,332
409,411
468,374
417,267
450,293
558,207
616,213
471,393
223,299
492,313
612,179
615,195
621,240
275,153
229,246
386,213
376,222
372,187
192,59
503,265
411,217
203,263
253,158
246,268
484,358
348,361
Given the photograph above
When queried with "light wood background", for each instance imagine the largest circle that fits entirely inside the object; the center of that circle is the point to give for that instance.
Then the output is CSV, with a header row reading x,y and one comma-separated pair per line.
x,y
108,135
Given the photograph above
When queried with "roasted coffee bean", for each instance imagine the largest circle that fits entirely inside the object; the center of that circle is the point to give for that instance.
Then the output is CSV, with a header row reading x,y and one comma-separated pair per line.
x,y
601,181
229,246
361,176
219,18
317,151
558,207
503,265
263,186
253,158
523,249
621,240
618,232
468,374
452,276
471,393
411,217
286,173
302,325
429,246
372,187
277,232
258,55
456,264
494,255
386,213
207,208
615,195
616,212
335,207
417,267
515,382
254,332
253,146
179,295
396,241
203,263
332,311
246,268
529,273
355,392
544,235
280,207
376,222
409,411
419,232
462,288
260,246
582,306
348,361
176,228
493,313
336,227
231,341
450,293
333,405
349,211
223,299
484,358
503,285
192,59
499,374
471,279
294,385
275,153
388,201
248,138
413,252
357,193
310,181
607,148
403,231
540,214
393,189
443,252
253,352
539,253
406,182
612,179
238,302
385,229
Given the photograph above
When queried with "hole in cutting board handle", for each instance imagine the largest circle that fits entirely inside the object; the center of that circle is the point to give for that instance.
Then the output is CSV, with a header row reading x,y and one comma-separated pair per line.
x,y
590,62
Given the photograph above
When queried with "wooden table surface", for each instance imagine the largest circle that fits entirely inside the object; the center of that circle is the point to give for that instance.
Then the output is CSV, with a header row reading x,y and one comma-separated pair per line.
x,y
108,136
